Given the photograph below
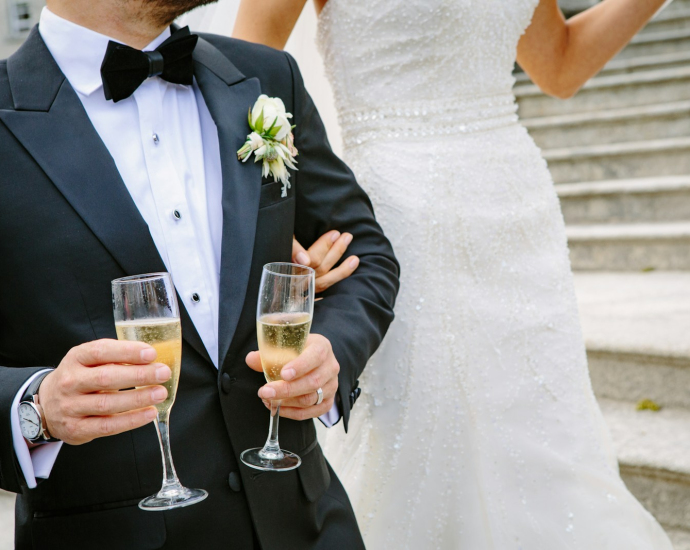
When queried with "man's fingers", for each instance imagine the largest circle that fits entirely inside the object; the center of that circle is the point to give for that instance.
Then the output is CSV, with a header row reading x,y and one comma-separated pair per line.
x,y
343,271
120,377
102,352
333,255
101,426
315,353
254,361
299,254
318,251
115,402
307,384
309,399
299,413
294,413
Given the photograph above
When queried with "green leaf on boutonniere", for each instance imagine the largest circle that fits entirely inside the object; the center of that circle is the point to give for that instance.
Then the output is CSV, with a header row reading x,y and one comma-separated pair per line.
x,y
270,131
259,126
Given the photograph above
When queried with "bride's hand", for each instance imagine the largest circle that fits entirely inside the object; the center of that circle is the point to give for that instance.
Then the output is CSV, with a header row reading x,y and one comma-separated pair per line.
x,y
323,255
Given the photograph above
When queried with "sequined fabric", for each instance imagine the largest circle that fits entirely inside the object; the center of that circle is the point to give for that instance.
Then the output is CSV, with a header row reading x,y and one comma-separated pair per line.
x,y
477,428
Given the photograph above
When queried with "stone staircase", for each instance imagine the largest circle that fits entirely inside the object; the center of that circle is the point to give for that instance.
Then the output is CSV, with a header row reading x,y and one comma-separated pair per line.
x,y
619,152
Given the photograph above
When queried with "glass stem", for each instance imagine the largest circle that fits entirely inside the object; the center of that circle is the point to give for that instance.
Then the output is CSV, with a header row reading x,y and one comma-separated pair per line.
x,y
170,479
271,449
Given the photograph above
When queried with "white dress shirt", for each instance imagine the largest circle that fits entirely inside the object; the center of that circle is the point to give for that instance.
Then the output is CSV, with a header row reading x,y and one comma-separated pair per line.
x,y
165,146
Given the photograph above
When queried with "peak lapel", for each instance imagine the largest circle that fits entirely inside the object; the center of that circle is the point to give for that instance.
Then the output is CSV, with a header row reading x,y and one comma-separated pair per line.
x,y
51,123
228,97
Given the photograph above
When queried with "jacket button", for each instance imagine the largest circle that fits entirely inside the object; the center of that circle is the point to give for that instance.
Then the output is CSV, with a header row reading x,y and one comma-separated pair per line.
x,y
226,382
235,482
354,395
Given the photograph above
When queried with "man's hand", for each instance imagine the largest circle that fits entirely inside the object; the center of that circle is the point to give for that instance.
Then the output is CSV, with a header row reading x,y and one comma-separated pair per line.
x,y
80,398
323,255
315,368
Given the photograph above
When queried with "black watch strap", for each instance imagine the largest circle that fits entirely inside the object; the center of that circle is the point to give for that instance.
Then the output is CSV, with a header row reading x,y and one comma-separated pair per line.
x,y
33,387
29,396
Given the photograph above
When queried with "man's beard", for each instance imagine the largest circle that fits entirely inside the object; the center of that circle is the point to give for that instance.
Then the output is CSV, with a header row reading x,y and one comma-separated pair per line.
x,y
164,12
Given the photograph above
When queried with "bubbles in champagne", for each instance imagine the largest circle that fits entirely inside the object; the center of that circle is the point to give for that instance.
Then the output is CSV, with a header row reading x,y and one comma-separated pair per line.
x,y
282,337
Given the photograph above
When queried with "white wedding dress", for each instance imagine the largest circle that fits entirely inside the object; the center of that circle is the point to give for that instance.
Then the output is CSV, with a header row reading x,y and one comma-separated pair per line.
x,y
477,428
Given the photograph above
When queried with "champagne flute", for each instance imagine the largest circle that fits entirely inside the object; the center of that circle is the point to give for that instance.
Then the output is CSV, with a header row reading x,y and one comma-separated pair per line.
x,y
146,310
283,320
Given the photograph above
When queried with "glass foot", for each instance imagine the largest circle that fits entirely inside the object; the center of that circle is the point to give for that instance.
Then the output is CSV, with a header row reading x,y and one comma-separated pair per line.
x,y
167,499
254,459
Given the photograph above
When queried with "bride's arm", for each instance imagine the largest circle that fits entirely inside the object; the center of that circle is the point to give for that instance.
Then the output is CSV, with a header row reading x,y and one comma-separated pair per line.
x,y
268,22
560,56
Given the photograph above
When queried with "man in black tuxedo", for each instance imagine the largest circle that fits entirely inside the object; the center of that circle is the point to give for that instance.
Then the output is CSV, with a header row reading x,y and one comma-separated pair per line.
x,y
72,220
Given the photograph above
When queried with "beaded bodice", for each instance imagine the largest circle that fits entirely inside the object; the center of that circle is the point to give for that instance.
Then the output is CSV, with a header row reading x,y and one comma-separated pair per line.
x,y
421,61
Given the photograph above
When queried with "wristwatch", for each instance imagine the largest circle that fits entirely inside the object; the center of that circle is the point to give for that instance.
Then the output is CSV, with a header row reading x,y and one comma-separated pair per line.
x,y
32,421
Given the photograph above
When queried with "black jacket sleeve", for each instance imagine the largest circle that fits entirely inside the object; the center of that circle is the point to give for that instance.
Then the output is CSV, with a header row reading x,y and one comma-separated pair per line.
x,y
355,313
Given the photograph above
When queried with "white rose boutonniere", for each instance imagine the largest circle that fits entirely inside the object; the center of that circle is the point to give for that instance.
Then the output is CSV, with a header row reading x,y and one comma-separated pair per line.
x,y
271,140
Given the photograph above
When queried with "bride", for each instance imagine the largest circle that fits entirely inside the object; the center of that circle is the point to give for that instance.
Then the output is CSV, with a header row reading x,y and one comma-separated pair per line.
x,y
477,428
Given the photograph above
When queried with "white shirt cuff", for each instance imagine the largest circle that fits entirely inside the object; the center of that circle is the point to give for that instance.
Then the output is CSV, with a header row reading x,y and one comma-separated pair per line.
x,y
331,418
39,461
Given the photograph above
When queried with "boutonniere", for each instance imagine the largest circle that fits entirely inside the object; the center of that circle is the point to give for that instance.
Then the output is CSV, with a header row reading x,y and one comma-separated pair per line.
x,y
271,140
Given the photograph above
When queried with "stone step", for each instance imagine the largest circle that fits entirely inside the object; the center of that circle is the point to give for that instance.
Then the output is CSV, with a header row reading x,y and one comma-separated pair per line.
x,y
674,7
669,20
660,157
623,374
609,92
640,200
651,42
642,313
656,121
632,64
6,520
632,247
680,538
654,456
636,332
643,62
635,329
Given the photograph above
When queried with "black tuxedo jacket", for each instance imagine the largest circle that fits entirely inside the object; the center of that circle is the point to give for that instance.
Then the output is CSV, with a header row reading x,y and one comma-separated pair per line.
x,y
68,226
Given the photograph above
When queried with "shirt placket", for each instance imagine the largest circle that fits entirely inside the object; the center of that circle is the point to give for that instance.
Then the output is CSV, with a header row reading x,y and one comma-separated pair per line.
x,y
181,254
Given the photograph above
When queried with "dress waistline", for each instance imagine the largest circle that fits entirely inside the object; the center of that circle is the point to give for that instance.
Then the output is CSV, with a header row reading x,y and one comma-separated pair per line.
x,y
428,120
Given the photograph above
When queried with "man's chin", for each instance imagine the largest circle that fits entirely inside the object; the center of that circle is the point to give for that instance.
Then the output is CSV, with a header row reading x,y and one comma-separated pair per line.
x,y
169,10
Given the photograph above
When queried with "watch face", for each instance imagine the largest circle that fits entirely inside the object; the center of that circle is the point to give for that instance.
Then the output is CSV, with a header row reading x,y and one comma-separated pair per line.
x,y
29,421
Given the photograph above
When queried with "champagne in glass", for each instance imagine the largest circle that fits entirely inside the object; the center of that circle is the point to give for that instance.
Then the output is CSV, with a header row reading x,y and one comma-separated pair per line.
x,y
165,336
145,309
283,320
282,337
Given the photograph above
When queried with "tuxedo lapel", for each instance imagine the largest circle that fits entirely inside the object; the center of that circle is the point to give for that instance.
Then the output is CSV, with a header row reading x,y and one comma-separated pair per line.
x,y
228,97
51,123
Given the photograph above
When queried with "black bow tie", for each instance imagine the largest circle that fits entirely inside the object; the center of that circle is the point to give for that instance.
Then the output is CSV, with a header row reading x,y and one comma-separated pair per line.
x,y
124,68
